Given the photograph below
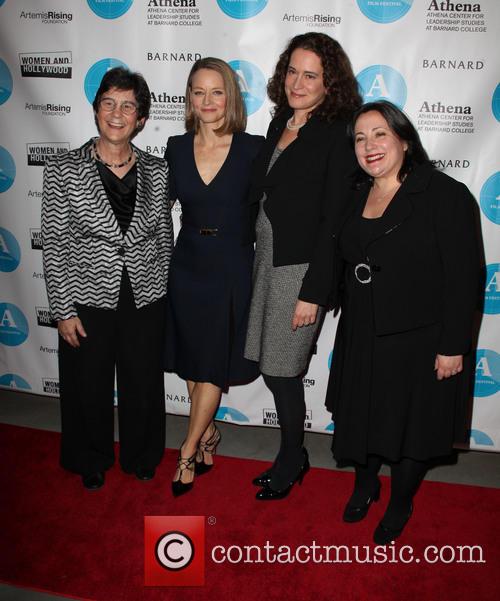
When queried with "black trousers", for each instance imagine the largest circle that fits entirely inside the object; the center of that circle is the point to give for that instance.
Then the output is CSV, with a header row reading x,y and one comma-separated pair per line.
x,y
130,340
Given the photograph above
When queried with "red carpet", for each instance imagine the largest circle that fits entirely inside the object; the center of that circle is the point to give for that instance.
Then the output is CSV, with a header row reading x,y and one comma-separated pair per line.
x,y
57,537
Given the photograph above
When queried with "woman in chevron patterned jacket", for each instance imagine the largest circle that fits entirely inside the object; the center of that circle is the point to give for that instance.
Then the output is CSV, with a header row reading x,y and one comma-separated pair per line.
x,y
107,240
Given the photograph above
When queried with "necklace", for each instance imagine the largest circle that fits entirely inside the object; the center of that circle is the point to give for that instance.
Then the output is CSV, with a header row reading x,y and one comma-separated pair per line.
x,y
112,164
292,127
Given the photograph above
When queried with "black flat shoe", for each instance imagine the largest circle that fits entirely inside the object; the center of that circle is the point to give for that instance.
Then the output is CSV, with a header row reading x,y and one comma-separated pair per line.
x,y
179,487
263,479
145,473
269,494
93,481
384,535
355,513
208,446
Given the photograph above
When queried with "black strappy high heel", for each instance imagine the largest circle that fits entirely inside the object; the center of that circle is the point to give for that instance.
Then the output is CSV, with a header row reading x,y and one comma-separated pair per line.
x,y
179,487
208,446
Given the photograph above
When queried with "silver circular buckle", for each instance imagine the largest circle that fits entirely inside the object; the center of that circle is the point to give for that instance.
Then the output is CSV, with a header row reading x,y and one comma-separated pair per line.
x,y
367,267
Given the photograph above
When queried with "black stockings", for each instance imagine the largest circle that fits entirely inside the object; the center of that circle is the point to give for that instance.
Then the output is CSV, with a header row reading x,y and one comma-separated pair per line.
x,y
406,476
290,404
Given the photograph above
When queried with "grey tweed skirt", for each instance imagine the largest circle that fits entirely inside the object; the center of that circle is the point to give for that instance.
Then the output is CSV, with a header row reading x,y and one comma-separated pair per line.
x,y
270,339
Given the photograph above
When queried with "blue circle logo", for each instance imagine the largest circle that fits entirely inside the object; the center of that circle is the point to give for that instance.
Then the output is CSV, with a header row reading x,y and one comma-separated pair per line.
x,y
14,381
96,73
110,9
382,11
479,437
495,103
242,9
1,2
487,373
5,82
489,198
10,253
330,427
252,84
228,414
381,82
13,325
7,170
492,289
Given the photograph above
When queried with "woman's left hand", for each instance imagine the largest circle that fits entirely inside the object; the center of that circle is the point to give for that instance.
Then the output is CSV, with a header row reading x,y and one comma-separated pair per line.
x,y
447,366
305,314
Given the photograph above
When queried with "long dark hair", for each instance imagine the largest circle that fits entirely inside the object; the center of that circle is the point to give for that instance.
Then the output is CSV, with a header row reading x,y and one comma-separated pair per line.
x,y
399,123
342,97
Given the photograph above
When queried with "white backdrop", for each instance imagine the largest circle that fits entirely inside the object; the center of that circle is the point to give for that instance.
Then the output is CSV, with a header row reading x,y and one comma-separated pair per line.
x,y
438,60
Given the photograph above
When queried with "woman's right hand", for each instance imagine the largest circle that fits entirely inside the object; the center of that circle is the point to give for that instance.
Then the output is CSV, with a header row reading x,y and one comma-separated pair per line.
x,y
70,329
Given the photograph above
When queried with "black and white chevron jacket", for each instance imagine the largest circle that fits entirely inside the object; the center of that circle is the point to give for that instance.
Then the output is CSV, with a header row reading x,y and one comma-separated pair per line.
x,y
84,250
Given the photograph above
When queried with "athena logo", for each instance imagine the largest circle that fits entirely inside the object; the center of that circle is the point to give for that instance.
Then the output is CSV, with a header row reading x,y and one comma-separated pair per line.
x,y
229,414
487,373
489,198
252,84
5,82
381,82
96,73
109,9
479,437
14,381
7,170
242,9
13,325
492,289
10,253
495,103
382,11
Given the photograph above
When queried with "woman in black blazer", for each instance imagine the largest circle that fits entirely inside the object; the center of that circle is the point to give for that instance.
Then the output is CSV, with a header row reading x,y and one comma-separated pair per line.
x,y
107,241
407,274
298,186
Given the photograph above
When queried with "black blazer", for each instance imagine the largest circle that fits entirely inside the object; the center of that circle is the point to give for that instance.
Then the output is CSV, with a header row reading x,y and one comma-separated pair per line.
x,y
424,259
306,190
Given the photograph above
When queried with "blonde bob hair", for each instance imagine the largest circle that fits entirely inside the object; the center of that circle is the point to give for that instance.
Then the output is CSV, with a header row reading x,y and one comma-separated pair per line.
x,y
236,117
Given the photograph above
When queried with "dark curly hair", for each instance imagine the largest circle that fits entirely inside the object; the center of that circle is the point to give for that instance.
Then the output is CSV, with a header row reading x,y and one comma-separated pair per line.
x,y
404,129
123,79
343,96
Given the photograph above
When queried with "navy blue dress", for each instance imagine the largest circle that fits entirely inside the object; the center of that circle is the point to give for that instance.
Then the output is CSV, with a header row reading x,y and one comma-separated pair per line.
x,y
210,277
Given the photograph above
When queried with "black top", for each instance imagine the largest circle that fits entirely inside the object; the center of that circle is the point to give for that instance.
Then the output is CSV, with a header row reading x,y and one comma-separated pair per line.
x,y
210,279
306,190
423,254
121,193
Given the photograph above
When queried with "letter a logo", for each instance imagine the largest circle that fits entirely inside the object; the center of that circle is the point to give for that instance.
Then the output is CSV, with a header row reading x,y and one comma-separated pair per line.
x,y
378,88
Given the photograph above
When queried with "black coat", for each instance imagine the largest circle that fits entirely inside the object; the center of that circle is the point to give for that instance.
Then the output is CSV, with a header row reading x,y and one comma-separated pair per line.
x,y
306,190
424,263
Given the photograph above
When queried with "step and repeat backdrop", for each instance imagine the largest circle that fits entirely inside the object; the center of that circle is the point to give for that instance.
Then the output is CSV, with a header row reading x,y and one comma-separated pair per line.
x,y
438,60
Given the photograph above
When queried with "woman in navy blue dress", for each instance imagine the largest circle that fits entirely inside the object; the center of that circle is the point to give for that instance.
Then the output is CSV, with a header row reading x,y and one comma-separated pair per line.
x,y
210,277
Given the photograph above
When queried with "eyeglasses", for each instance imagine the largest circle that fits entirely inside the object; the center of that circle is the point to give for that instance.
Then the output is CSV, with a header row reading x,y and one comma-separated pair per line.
x,y
126,107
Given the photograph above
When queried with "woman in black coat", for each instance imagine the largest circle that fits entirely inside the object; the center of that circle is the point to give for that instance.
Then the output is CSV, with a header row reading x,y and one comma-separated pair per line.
x,y
298,185
407,265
